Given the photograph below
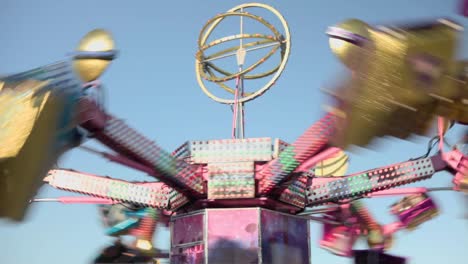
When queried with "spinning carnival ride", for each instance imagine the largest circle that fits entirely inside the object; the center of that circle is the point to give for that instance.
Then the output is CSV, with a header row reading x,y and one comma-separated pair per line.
x,y
269,189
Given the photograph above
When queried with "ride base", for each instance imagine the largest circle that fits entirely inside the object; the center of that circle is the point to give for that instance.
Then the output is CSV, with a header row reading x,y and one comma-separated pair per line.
x,y
239,235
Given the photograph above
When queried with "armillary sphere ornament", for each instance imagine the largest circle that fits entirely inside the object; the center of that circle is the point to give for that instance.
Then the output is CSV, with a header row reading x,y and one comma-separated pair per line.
x,y
208,71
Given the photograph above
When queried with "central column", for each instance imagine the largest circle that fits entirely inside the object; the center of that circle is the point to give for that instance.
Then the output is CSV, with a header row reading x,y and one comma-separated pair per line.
x,y
239,235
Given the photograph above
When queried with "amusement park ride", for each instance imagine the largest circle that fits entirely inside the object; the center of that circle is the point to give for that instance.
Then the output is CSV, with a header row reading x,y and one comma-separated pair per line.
x,y
402,80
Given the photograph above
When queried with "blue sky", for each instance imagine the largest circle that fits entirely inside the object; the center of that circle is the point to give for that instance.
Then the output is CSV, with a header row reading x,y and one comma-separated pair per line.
x,y
152,85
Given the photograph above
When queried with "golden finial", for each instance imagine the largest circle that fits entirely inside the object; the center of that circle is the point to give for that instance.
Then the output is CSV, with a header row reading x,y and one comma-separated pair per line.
x,y
346,40
89,69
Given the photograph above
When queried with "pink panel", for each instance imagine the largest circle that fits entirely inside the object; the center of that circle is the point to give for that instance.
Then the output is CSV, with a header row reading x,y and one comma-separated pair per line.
x,y
233,236
188,229
285,238
188,255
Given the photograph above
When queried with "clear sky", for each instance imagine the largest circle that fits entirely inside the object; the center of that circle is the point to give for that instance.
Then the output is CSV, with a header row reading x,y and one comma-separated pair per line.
x,y
152,85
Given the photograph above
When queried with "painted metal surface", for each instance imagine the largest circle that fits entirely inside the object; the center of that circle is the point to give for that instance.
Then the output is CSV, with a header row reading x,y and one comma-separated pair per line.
x,y
284,238
187,241
233,235
230,180
240,235
188,229
330,189
228,150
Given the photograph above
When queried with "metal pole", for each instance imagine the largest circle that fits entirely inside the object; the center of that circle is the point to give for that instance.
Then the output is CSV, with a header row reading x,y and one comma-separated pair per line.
x,y
240,63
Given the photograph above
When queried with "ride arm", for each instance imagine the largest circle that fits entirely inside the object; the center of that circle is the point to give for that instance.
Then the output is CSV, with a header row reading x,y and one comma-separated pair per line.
x,y
278,174
155,195
325,190
129,143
